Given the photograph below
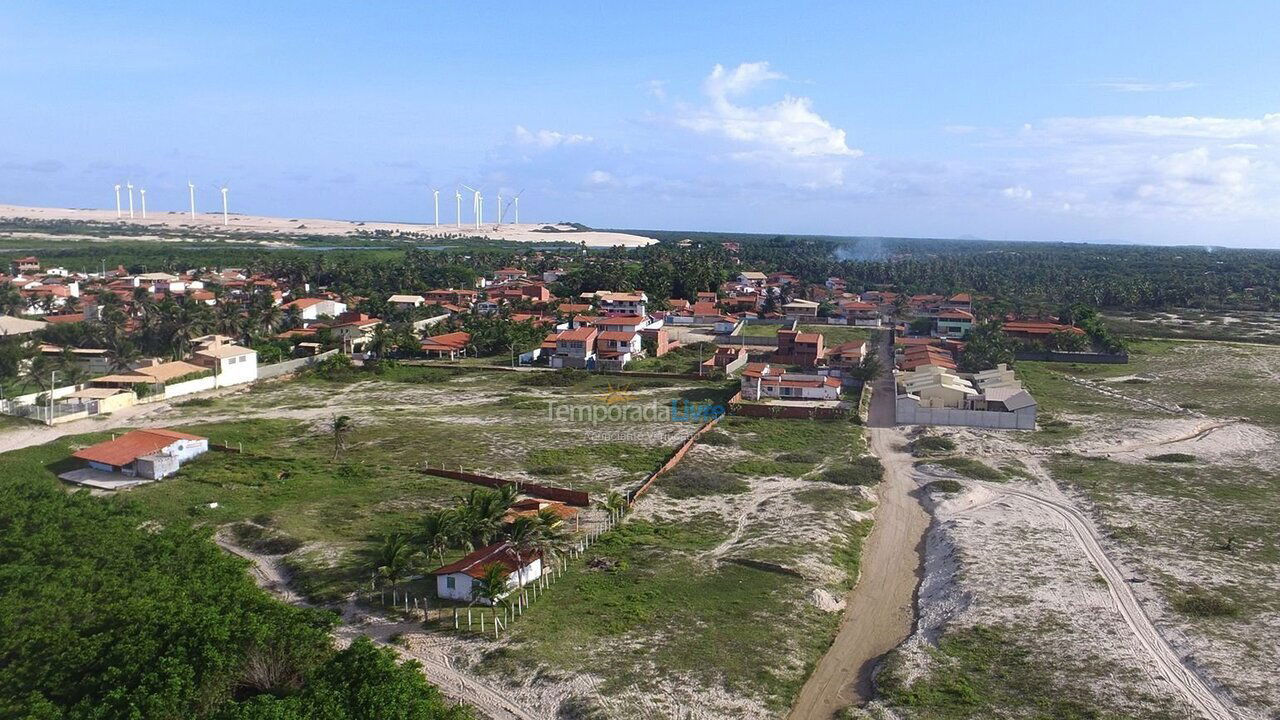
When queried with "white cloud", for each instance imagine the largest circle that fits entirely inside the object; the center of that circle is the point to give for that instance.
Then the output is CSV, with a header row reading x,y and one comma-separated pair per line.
x,y
1016,192
657,89
549,138
1126,127
600,178
786,128
1137,86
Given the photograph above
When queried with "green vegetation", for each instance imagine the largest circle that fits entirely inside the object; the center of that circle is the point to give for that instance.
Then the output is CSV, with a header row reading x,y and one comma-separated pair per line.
x,y
1202,603
163,624
685,359
849,554
945,486
763,330
988,671
1173,458
866,470
697,480
967,467
833,335
931,445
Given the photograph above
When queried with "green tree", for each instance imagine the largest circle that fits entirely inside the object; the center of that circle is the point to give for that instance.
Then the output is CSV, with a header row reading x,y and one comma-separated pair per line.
x,y
492,585
985,347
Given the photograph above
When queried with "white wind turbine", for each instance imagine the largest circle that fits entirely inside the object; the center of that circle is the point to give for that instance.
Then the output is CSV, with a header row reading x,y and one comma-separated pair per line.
x,y
118,211
477,204
224,206
143,192
515,201
457,196
129,185
435,196
191,195
499,209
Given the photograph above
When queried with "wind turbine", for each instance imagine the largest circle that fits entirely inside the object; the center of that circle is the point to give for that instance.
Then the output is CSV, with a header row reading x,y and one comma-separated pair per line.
x,y
477,204
435,196
191,194
143,192
499,209
516,202
224,206
118,212
129,185
457,196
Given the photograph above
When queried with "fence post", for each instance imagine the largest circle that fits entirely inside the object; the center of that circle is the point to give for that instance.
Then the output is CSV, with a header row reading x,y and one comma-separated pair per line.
x,y
455,618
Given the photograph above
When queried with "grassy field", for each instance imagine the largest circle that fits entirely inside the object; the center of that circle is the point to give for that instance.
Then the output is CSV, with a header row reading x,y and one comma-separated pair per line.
x,y
683,601
336,510
765,330
837,334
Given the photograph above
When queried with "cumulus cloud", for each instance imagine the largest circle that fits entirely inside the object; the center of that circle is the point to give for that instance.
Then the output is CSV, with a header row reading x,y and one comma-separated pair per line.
x,y
547,139
1129,85
788,127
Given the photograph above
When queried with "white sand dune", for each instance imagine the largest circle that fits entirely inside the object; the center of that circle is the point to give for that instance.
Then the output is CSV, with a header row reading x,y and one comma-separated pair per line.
x,y
283,227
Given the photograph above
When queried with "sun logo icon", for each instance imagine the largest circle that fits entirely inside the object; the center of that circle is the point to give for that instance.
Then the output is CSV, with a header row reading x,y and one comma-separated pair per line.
x,y
617,395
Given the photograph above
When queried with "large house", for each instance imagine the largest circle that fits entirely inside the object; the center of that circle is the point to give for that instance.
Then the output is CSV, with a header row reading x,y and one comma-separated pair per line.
x,y
797,348
614,303
451,345
457,581
761,382
405,302
953,323
150,453
232,364
575,348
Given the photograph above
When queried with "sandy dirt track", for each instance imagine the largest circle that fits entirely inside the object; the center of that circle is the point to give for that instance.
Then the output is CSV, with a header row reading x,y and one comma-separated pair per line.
x,y
880,610
1191,686
258,225
455,685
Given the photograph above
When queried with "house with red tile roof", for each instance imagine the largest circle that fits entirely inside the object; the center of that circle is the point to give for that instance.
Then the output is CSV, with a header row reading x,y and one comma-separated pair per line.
x,y
151,453
797,348
760,381
575,348
451,345
457,580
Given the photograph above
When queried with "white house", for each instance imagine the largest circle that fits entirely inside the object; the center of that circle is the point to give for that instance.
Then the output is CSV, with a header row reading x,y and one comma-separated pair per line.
x,y
151,453
404,302
616,348
314,308
231,364
615,303
457,581
760,382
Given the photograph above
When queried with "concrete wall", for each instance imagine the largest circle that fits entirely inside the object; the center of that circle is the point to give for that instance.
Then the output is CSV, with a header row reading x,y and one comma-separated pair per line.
x,y
909,412
1073,357
289,366
190,386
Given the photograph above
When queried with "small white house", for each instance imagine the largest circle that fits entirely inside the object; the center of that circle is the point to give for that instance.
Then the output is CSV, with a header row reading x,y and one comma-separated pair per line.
x,y
151,453
456,581
314,308
405,302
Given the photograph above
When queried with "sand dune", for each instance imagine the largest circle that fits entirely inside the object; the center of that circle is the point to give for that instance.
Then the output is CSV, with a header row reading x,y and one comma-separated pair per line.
x,y
283,227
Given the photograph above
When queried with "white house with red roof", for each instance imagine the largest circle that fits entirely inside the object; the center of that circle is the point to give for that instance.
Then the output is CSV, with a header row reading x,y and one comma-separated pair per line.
x,y
151,453
760,381
315,308
457,581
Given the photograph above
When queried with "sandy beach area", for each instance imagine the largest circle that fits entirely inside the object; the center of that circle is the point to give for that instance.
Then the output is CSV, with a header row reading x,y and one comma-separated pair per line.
x,y
239,224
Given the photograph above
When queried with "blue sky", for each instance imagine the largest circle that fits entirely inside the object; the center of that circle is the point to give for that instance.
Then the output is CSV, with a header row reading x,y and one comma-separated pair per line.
x,y
1149,122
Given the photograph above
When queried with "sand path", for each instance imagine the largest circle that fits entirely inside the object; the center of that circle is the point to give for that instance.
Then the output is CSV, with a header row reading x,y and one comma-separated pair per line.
x,y
457,686
1197,692
880,610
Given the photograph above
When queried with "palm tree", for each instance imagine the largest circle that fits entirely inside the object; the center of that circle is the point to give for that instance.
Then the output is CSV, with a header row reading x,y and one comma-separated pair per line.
x,y
341,426
121,352
524,534
491,586
395,558
439,529
615,502
481,514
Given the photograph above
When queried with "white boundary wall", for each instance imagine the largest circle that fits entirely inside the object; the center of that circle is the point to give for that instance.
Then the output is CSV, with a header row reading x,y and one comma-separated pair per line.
x,y
909,412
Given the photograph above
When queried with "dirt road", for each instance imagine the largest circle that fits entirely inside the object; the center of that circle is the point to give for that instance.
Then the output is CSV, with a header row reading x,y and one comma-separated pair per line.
x,y
1192,687
456,686
880,610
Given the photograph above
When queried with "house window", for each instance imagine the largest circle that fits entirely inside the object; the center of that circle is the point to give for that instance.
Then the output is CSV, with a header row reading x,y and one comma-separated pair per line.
x,y
450,582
